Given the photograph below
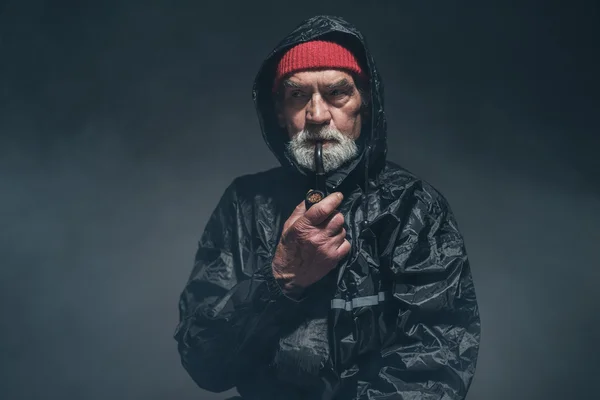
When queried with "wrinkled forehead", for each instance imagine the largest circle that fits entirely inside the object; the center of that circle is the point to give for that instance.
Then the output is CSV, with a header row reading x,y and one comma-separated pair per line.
x,y
319,79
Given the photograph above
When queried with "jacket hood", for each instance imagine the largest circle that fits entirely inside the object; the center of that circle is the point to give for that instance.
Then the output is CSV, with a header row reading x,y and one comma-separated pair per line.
x,y
373,146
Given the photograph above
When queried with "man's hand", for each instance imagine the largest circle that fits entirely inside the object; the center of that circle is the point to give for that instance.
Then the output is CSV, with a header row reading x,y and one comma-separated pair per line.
x,y
311,245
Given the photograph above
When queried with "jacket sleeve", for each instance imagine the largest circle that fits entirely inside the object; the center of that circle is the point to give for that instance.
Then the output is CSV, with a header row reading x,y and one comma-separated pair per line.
x,y
230,297
431,343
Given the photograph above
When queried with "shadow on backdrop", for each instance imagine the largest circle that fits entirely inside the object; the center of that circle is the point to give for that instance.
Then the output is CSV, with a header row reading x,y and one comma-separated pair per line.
x,y
122,124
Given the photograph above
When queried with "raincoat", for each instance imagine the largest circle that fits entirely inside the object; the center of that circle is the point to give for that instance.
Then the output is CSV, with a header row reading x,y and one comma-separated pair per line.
x,y
400,314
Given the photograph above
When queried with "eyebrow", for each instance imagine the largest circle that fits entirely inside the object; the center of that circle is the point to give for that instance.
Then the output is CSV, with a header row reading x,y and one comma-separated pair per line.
x,y
291,84
341,84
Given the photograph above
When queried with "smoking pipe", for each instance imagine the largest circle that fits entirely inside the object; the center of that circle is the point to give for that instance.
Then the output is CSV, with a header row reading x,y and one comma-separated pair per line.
x,y
320,192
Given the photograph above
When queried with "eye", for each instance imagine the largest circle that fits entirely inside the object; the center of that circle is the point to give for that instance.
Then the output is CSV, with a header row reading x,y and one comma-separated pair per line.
x,y
338,93
297,94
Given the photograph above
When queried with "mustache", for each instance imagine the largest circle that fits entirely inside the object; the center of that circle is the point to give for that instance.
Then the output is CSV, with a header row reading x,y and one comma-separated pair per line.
x,y
321,134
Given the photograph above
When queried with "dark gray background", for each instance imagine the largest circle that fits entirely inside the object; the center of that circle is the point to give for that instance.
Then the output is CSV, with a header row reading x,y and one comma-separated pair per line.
x,y
123,122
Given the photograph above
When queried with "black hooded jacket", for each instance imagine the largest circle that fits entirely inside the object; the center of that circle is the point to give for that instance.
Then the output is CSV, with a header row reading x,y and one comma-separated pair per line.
x,y
400,311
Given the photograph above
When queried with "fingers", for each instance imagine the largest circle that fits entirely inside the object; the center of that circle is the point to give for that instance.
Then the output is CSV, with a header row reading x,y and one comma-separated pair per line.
x,y
297,213
338,240
343,250
338,248
333,225
318,213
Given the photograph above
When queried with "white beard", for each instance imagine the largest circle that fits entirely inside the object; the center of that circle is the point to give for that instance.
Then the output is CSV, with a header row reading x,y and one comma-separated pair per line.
x,y
335,153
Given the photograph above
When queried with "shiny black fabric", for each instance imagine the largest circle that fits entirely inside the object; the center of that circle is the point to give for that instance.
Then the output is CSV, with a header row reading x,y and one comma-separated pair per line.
x,y
419,341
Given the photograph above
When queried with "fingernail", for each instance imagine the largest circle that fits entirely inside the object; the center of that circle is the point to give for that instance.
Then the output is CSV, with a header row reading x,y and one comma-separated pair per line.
x,y
340,195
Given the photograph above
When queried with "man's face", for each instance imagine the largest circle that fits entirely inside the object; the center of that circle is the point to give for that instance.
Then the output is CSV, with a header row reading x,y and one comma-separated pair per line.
x,y
321,105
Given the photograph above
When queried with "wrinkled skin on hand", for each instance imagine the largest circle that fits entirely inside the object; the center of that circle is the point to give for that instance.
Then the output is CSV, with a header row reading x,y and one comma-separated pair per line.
x,y
312,243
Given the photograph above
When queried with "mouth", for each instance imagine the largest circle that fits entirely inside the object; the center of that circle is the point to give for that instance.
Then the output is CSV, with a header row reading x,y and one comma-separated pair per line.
x,y
313,142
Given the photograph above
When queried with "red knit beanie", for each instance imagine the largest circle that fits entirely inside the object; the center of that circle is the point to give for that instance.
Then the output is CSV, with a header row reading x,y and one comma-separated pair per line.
x,y
316,54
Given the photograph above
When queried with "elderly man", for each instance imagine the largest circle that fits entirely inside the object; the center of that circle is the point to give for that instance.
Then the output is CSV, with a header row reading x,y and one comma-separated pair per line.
x,y
365,294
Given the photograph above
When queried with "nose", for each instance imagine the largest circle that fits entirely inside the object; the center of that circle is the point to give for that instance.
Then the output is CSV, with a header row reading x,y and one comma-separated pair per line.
x,y
317,111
